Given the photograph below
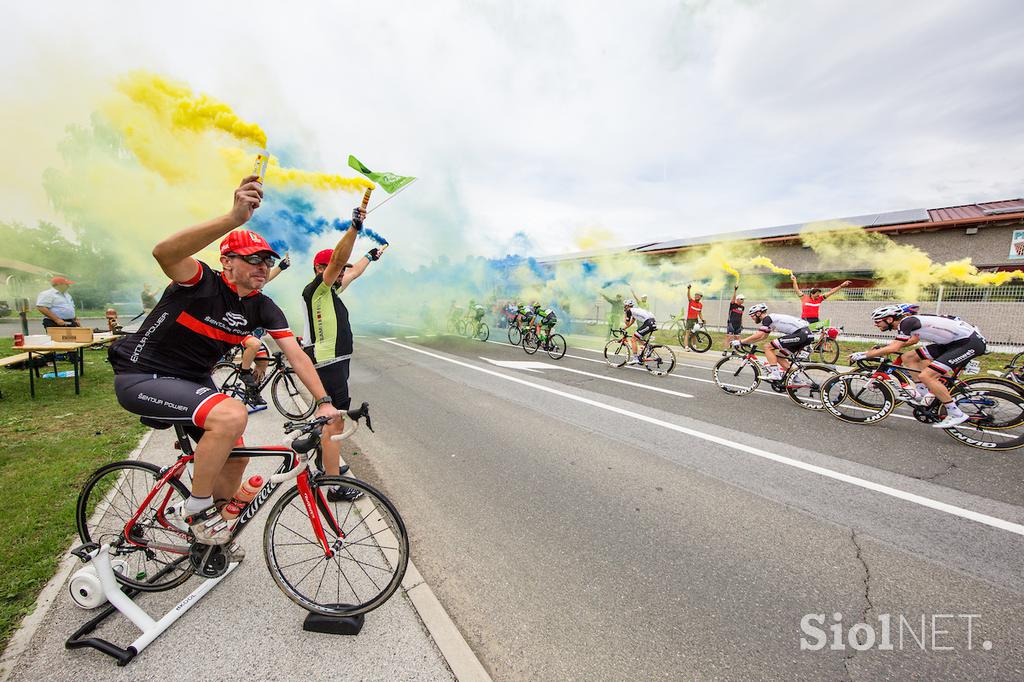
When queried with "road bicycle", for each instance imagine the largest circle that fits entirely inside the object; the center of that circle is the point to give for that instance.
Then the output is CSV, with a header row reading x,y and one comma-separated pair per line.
x,y
474,329
333,558
825,347
700,340
290,395
654,357
874,389
554,345
515,333
742,370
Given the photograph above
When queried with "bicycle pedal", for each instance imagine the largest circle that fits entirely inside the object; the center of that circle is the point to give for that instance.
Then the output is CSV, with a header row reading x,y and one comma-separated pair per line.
x,y
256,408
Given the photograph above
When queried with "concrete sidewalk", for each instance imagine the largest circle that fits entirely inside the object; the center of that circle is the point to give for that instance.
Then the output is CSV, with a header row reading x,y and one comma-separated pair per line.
x,y
245,625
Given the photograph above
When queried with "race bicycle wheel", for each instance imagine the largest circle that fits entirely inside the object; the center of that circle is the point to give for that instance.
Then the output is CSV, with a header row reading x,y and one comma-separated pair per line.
x,y
617,353
367,536
827,352
556,347
700,342
736,374
531,342
803,384
482,332
227,381
156,548
669,356
656,361
995,419
875,401
290,396
992,382
515,335
460,327
680,337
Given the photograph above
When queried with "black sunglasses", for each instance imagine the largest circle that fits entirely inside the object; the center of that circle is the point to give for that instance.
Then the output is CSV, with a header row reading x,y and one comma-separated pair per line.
x,y
255,259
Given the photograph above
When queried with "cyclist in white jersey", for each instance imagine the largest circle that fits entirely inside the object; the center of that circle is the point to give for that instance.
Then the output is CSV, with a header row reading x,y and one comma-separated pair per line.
x,y
645,325
795,337
952,343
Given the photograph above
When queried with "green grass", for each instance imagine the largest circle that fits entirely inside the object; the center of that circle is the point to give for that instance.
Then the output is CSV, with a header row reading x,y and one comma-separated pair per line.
x,y
50,446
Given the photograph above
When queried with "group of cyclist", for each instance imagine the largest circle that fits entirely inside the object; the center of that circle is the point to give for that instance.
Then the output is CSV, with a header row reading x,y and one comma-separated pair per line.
x,y
542,319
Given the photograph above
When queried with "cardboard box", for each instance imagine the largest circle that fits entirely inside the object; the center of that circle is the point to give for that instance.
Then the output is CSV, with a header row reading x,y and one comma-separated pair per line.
x,y
70,334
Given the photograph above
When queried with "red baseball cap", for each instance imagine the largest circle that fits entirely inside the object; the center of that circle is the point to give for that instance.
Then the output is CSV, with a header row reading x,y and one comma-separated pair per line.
x,y
61,280
323,257
244,243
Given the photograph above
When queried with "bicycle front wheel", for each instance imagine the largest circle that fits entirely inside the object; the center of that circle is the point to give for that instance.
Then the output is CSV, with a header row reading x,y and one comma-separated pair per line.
x,y
290,396
556,347
803,384
616,353
531,342
156,546
368,540
736,374
482,332
827,352
700,342
515,336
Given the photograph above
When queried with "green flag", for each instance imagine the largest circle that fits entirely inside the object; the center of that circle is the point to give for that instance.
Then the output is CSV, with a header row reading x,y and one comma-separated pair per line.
x,y
389,181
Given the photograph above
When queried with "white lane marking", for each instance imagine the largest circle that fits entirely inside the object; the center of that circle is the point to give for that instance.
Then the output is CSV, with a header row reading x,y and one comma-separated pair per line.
x,y
414,336
533,366
953,510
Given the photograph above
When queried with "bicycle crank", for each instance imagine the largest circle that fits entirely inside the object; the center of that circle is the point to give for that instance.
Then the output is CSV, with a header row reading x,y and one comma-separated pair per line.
x,y
926,415
779,386
208,561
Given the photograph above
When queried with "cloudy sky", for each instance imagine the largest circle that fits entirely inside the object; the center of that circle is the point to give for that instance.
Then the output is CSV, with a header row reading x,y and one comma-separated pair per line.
x,y
633,121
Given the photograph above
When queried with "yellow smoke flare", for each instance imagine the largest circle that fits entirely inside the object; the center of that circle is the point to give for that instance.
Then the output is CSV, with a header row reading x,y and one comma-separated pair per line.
x,y
179,107
277,175
765,262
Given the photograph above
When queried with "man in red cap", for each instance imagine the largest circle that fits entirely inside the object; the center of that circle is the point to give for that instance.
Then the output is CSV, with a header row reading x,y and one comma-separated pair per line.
x,y
56,304
163,370
328,334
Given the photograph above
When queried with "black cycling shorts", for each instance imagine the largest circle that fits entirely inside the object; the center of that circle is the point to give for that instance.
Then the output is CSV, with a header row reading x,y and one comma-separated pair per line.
x,y
946,357
734,328
334,377
648,327
169,399
794,342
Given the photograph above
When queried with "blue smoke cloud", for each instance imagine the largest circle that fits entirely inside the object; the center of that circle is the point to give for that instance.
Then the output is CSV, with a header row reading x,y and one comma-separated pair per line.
x,y
289,222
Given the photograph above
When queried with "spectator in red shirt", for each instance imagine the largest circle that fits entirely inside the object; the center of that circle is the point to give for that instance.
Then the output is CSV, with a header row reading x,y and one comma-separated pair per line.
x,y
694,313
812,300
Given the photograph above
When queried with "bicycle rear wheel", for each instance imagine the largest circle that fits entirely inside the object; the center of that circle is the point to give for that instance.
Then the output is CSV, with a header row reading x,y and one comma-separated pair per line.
x,y
460,327
827,352
700,342
515,336
616,353
367,536
874,402
482,332
226,379
156,548
736,374
531,342
556,347
995,419
657,361
290,396
803,384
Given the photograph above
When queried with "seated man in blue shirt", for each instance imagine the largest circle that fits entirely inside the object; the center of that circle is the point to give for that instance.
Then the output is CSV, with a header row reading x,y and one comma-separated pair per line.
x,y
56,305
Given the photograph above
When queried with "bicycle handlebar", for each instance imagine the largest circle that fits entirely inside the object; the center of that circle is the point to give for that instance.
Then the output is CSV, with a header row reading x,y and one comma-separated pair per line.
x,y
310,438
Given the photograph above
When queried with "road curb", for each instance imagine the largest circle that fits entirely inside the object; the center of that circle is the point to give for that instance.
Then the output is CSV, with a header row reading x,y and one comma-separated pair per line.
x,y
30,624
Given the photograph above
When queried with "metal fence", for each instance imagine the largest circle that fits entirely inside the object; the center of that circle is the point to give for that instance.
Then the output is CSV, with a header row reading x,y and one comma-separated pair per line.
x,y
997,311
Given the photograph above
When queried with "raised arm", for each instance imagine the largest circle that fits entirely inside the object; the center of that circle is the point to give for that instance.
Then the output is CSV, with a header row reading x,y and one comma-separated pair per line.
x,y
735,289
835,289
343,250
360,266
796,287
174,254
279,268
689,298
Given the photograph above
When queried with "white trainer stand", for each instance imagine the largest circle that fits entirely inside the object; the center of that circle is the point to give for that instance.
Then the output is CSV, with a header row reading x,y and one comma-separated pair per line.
x,y
95,584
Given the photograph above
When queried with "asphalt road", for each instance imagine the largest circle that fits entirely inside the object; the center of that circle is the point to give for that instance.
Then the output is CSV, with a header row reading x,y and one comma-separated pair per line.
x,y
578,525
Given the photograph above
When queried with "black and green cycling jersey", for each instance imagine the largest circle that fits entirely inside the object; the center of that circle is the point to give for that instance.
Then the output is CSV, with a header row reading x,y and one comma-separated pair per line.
x,y
328,332
547,317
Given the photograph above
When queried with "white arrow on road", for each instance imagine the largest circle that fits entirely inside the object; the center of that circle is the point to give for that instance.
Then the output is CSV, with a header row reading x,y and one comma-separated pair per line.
x,y
535,366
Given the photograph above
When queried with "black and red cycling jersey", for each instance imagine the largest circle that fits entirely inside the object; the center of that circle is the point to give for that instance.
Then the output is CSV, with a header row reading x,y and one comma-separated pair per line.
x,y
193,325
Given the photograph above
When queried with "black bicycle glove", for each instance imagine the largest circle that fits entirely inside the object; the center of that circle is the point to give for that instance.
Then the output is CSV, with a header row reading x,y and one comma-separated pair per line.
x,y
373,254
285,263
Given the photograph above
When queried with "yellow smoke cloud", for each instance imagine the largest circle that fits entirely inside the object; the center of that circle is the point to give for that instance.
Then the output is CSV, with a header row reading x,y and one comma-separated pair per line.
x,y
765,262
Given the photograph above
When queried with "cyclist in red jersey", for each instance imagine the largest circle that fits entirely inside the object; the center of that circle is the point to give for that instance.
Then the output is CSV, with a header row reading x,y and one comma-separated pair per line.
x,y
163,370
812,300
694,312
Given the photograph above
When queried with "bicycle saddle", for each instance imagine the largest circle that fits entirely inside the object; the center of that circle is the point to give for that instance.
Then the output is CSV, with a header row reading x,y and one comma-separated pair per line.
x,y
155,423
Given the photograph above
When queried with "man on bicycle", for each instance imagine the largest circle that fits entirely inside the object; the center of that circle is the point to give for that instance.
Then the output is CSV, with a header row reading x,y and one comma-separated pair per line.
x,y
163,370
544,318
795,337
952,343
328,337
645,326
694,312
734,324
810,303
